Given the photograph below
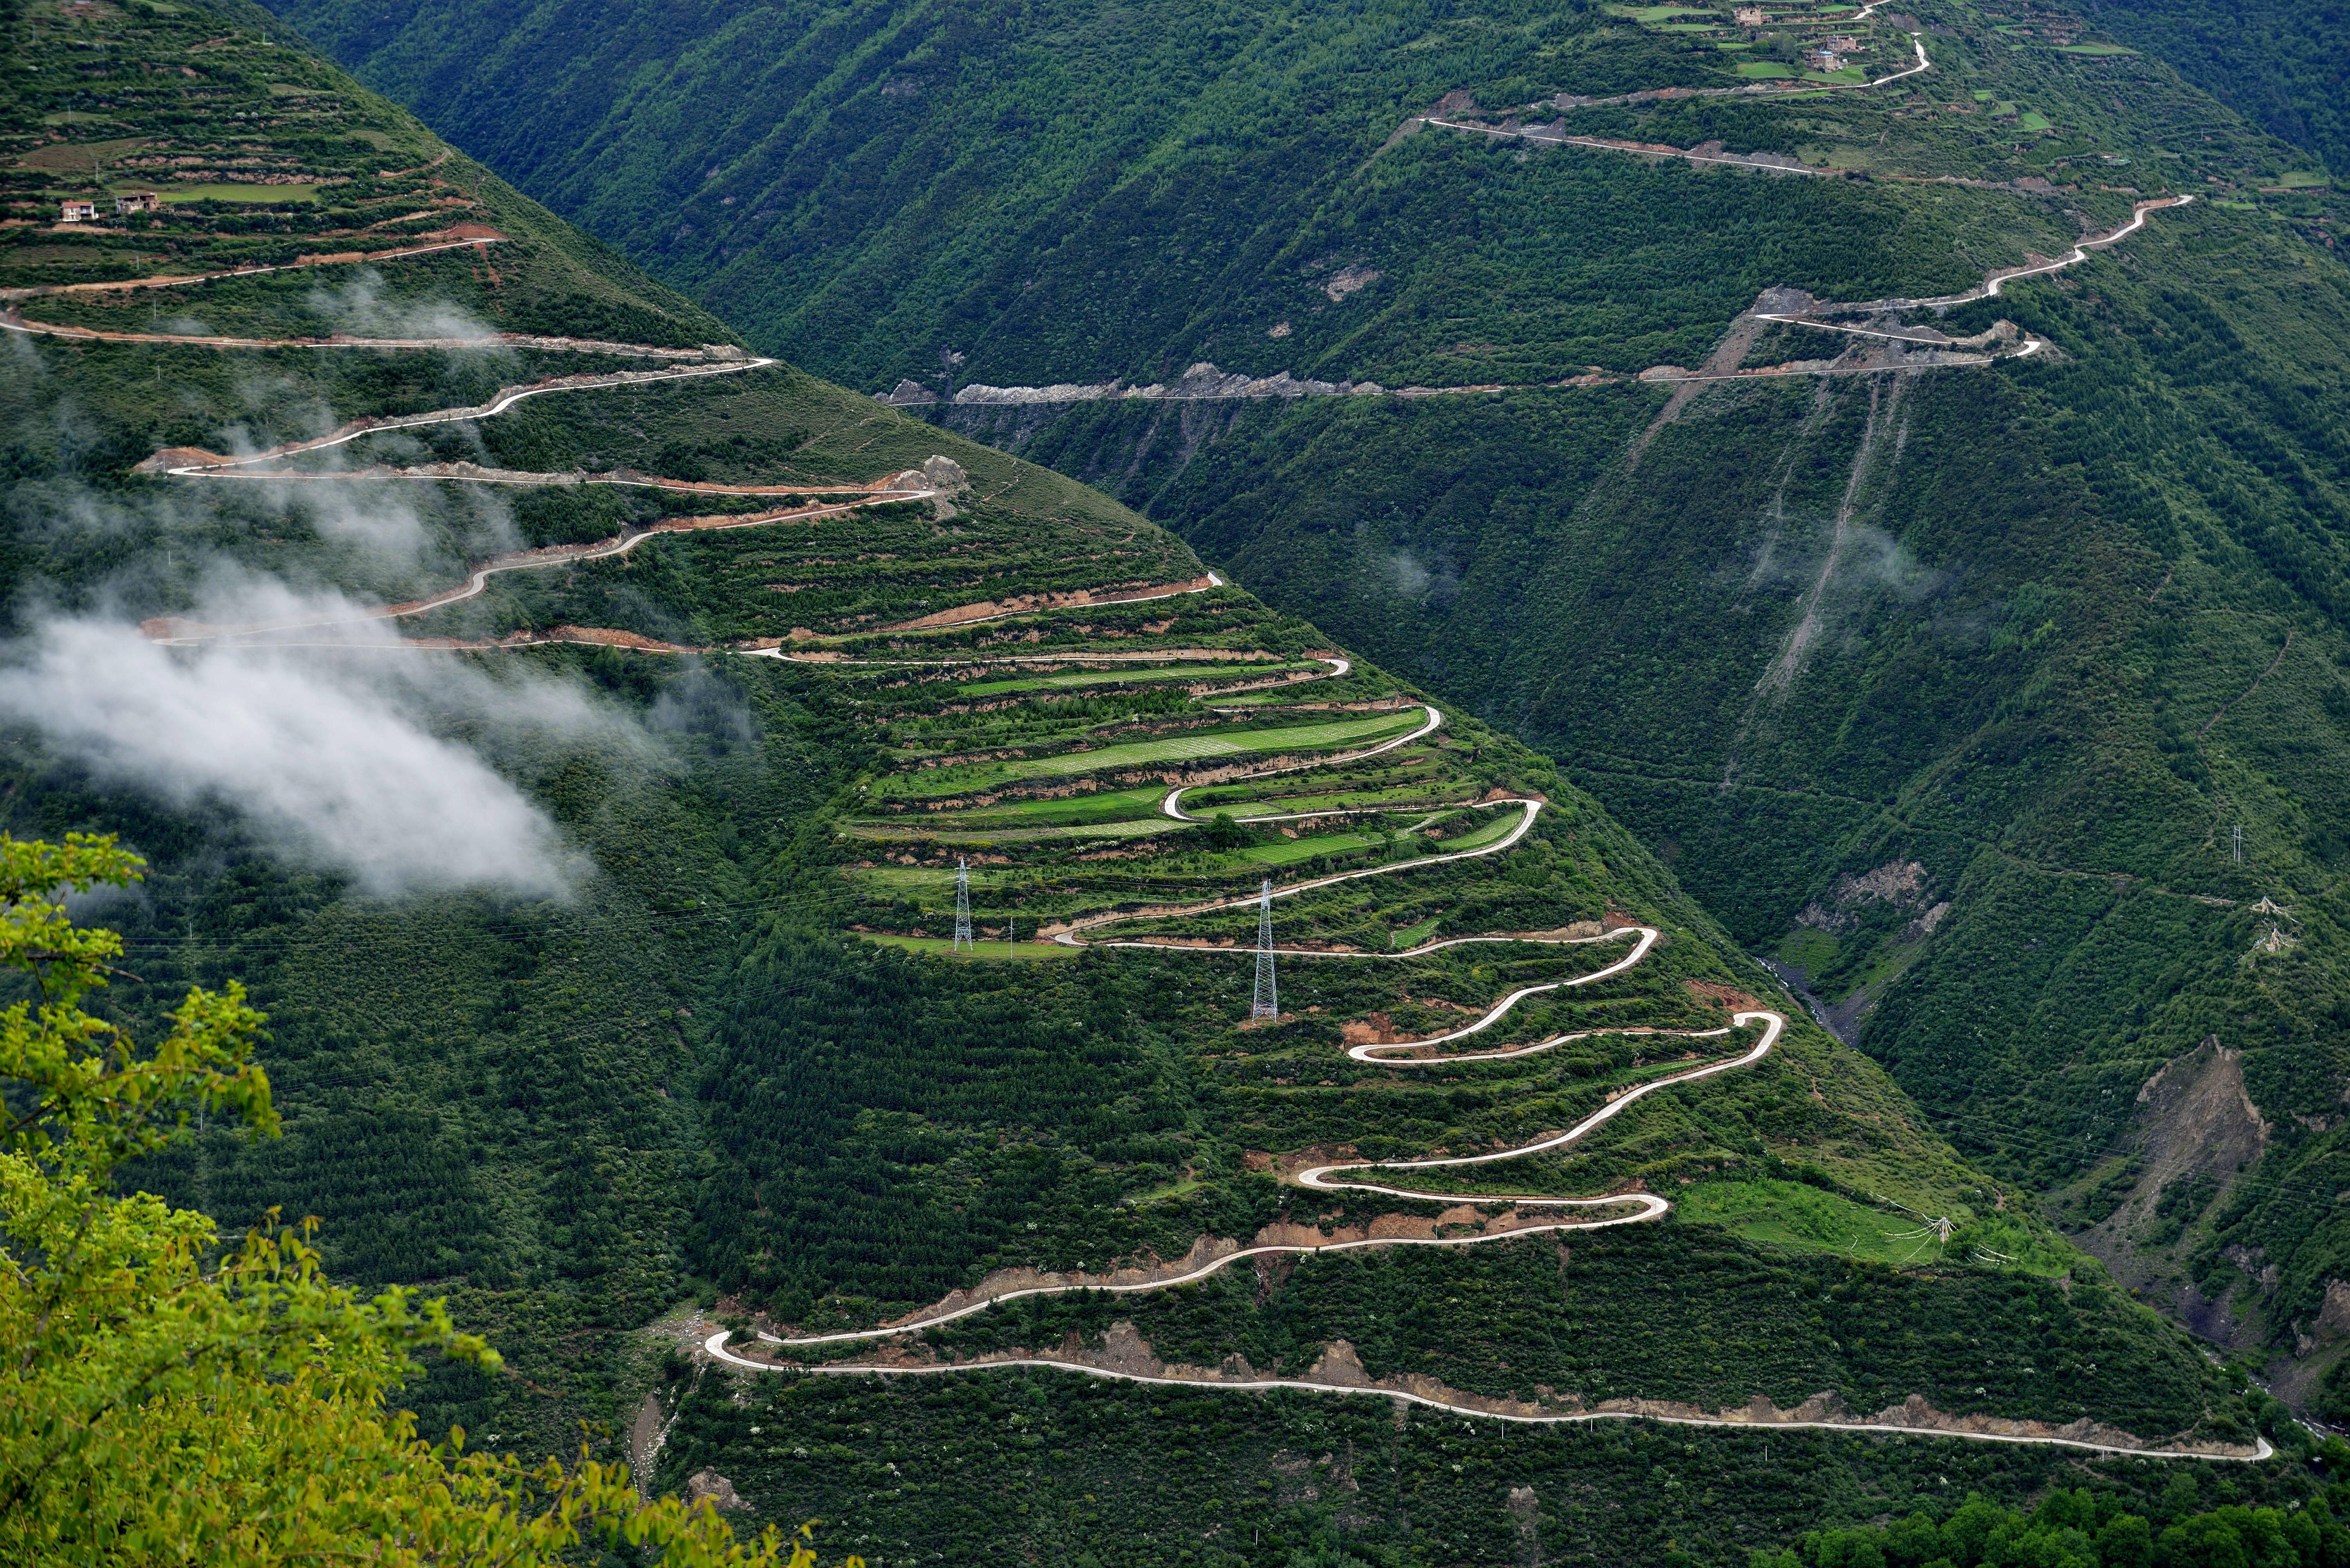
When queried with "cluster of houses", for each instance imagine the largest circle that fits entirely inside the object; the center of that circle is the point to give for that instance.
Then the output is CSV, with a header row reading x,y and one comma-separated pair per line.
x,y
1825,54
124,206
1828,54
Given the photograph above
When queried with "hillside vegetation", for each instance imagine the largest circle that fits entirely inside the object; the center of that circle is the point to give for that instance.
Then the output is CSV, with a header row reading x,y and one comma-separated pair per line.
x,y
1950,691
569,726
2280,67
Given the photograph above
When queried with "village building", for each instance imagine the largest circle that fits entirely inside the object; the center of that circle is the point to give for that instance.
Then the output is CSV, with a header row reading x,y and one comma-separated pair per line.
x,y
1751,17
1842,45
137,201
79,213
1826,61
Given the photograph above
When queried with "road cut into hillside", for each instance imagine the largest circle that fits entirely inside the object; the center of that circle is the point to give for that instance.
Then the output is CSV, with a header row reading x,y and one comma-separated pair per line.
x,y
1914,1417
465,237
1519,1214
1932,350
176,633
1472,1218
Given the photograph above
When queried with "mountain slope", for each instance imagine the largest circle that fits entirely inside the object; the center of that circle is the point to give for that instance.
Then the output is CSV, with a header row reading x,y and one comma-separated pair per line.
x,y
1892,668
2279,67
571,726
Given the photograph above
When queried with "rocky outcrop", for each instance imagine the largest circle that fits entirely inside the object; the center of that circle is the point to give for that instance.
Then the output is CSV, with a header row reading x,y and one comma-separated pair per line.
x,y
2196,1120
936,474
710,1484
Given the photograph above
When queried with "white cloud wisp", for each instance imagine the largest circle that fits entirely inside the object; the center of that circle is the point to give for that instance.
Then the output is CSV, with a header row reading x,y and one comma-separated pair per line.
x,y
329,758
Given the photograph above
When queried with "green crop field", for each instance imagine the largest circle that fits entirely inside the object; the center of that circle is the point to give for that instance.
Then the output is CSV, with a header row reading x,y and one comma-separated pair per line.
x,y
994,949
244,194
1136,675
1143,753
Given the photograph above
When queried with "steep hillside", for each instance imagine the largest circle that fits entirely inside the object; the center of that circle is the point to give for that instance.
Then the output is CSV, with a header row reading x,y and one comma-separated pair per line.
x,y
1163,184
577,730
1949,688
2280,67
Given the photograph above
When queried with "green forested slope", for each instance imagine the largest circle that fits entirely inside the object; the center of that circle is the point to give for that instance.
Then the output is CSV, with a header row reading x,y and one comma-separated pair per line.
x,y
2280,67
683,1040
2080,624
1076,192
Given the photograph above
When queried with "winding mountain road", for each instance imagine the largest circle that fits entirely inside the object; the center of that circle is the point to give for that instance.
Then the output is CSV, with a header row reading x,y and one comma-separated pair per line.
x,y
1605,1210
1659,1411
182,279
1559,1213
175,633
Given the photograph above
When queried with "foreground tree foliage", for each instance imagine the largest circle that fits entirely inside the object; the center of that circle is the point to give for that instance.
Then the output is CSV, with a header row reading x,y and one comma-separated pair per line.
x,y
2077,1529
166,1397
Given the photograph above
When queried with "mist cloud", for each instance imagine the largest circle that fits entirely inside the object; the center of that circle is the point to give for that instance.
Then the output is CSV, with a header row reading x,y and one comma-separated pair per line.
x,y
330,758
360,308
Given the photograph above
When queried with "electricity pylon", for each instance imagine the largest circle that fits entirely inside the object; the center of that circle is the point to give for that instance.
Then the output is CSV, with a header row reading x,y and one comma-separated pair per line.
x,y
1267,1003
962,943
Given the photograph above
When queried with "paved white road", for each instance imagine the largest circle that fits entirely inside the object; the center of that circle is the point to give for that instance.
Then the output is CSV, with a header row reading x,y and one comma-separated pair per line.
x,y
715,1346
1628,1208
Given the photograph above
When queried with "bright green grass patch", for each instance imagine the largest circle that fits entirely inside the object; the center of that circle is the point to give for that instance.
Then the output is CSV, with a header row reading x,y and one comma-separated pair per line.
x,y
2301,179
1757,69
1504,818
1077,811
1105,806
1983,95
1143,753
1096,677
1414,936
1730,48
1807,1219
1429,794
2003,1242
1026,951
1291,851
253,193
2093,49
946,832
2034,120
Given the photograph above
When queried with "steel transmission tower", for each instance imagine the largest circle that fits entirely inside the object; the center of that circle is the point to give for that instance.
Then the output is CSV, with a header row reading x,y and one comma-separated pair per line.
x,y
1267,1003
962,943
